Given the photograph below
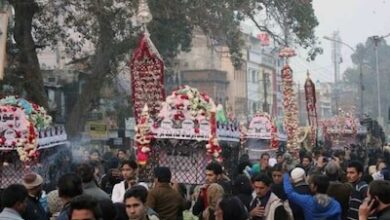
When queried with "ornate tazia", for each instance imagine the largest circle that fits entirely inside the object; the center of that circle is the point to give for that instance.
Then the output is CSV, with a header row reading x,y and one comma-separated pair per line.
x,y
21,119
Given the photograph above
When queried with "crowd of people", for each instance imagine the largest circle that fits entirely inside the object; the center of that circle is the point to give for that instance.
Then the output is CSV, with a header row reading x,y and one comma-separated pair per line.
x,y
306,186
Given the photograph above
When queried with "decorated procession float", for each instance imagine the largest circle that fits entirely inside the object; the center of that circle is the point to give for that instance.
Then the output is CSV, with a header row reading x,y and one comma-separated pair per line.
x,y
343,130
290,118
337,132
261,135
26,136
188,132
180,131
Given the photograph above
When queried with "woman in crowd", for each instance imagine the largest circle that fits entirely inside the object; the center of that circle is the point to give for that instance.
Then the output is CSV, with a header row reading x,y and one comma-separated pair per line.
x,y
214,193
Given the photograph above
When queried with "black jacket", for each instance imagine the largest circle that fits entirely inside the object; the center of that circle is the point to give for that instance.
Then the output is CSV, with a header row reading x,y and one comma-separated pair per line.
x,y
34,210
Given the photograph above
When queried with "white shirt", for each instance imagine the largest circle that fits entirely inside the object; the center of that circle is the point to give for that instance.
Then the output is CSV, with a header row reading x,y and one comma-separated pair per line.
x,y
118,192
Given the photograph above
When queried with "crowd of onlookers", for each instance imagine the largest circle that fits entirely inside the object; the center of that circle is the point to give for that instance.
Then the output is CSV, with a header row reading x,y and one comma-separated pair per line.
x,y
343,184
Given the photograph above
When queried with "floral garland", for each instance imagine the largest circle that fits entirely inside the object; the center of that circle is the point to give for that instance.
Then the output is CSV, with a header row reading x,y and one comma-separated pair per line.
x,y
289,100
36,114
31,118
189,103
143,137
213,148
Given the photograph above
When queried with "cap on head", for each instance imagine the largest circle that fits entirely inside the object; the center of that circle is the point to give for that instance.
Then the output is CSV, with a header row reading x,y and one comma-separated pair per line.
x,y
32,180
298,174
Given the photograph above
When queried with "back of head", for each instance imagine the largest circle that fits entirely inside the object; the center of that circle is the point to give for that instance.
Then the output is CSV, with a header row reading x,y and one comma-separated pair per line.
x,y
13,194
120,209
85,202
139,192
69,186
108,209
321,182
386,174
332,170
215,167
381,189
214,193
233,209
163,174
54,202
94,151
298,174
339,153
85,171
242,185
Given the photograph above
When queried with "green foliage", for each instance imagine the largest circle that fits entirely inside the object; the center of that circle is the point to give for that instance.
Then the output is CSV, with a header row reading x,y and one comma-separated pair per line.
x,y
297,21
172,25
102,33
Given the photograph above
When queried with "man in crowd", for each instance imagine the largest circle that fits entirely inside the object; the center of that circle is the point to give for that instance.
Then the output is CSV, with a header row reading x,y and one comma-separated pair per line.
x,y
129,169
319,206
136,209
122,155
279,158
85,171
338,190
340,155
163,199
69,186
262,166
266,203
359,190
277,181
306,163
84,207
13,200
377,202
214,174
298,178
34,211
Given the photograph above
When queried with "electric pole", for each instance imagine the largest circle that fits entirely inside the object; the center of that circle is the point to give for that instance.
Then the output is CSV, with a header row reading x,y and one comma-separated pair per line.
x,y
377,39
265,85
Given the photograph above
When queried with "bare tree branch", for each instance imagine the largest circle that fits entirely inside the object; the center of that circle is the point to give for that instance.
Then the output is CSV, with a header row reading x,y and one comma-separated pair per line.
x,y
274,36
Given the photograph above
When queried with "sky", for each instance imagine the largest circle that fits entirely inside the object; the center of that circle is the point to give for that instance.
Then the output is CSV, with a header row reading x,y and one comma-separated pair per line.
x,y
356,20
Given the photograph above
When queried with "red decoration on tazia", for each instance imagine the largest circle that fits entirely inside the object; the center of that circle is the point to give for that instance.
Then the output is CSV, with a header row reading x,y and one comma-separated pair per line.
x,y
147,77
213,148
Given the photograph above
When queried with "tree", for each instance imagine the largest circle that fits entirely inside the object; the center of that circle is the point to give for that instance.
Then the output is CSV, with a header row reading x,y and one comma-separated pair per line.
x,y
27,59
365,55
295,20
107,26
